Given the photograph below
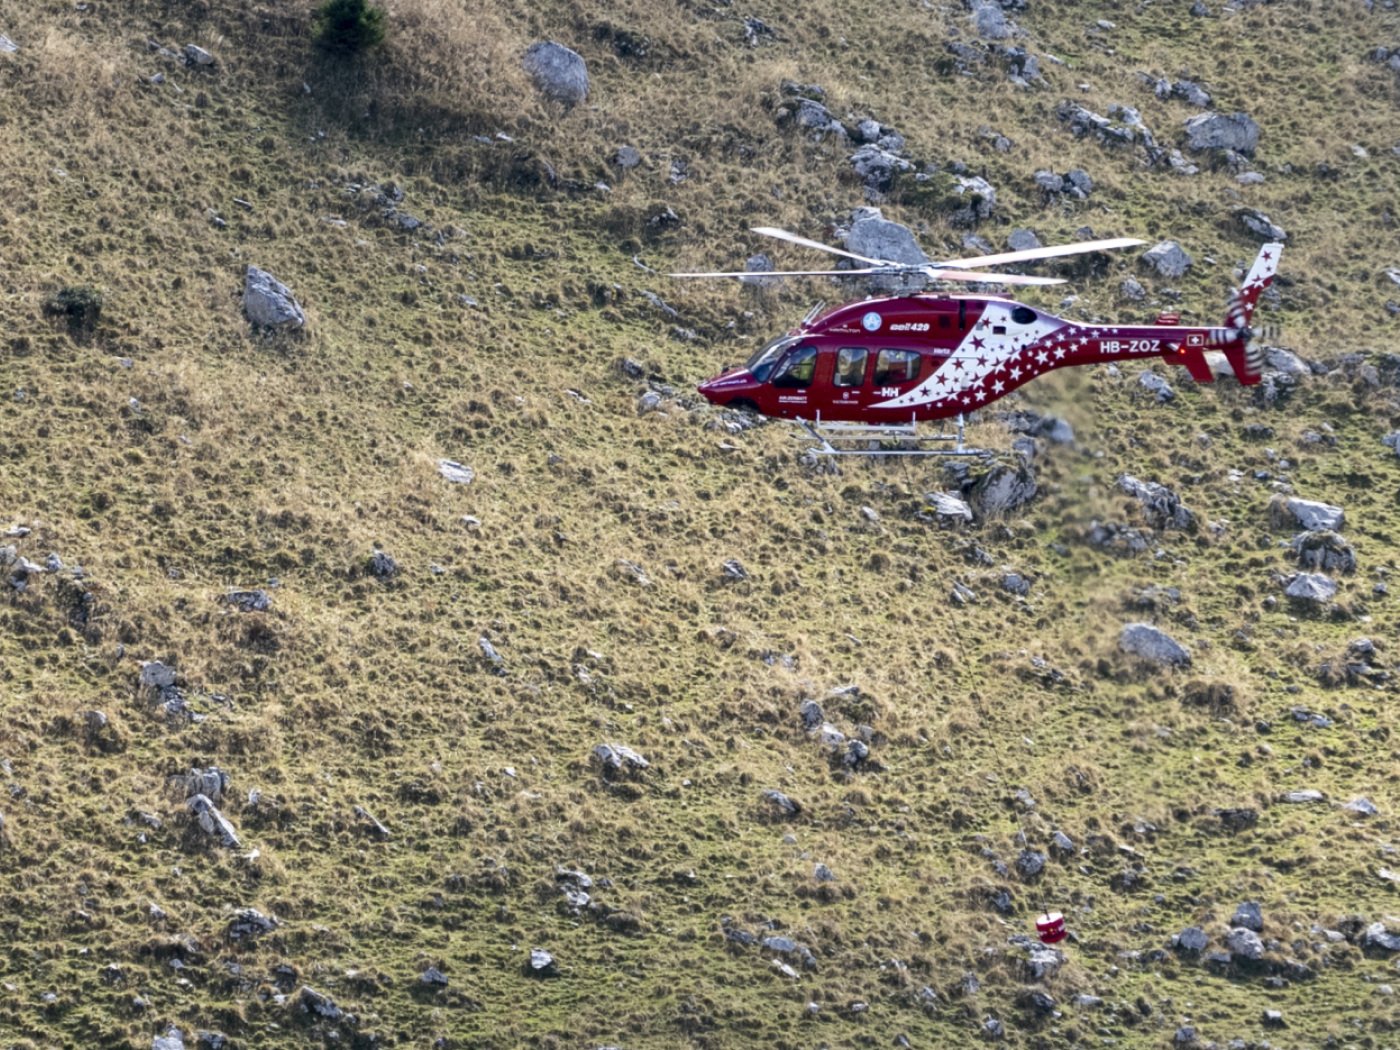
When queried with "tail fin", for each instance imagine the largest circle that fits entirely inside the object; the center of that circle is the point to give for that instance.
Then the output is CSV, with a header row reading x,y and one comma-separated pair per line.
x,y
1245,358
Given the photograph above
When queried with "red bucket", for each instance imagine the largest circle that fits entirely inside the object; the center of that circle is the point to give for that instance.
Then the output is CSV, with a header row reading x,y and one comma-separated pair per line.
x,y
1050,928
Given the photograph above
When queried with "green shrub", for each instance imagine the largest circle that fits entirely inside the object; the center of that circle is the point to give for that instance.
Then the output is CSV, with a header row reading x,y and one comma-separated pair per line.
x,y
347,27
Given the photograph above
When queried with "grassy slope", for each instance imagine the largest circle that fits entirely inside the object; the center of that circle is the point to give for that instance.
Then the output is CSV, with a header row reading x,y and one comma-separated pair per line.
x,y
249,459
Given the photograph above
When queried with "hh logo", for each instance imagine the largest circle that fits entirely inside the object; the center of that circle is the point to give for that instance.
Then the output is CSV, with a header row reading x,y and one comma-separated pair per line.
x,y
888,391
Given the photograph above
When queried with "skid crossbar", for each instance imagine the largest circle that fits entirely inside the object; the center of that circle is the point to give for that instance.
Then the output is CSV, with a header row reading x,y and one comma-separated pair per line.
x,y
884,439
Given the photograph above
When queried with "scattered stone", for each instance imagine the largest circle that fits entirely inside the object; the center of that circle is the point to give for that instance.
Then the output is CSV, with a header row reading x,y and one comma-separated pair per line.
x,y
248,924
811,713
1191,939
1304,797
1061,845
1150,643
455,472
618,759
541,964
734,570
990,21
877,169
1168,259
1003,489
1043,961
1162,507
1015,583
1157,386
1244,944
269,303
1273,1019
1249,916
822,873
433,978
197,57
1259,224
1323,550
558,72
1311,588
320,1007
1289,511
156,675
993,1028
249,601
382,565
7,46
1234,132
173,1039
212,783
780,806
1379,937
491,654
978,200
1030,863
1361,807
949,507
212,822
371,823
1240,819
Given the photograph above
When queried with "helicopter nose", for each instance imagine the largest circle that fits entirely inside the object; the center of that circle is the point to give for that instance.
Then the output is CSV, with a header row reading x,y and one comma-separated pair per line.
x,y
722,387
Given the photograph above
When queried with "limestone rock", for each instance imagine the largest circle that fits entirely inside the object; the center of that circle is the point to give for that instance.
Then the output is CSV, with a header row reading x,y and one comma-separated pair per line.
x,y
212,822
1219,131
618,759
1168,259
269,303
558,72
1244,944
1003,490
1289,511
1162,507
1249,916
1311,588
1150,643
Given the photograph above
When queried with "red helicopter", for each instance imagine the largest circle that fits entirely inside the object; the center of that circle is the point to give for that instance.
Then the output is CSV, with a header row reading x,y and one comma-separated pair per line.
x,y
877,367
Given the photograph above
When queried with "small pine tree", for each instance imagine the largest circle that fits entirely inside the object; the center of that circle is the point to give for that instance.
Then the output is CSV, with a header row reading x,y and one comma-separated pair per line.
x,y
346,27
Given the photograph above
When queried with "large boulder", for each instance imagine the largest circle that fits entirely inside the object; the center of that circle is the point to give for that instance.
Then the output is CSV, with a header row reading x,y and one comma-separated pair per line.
x,y
876,237
1153,645
1259,224
1288,511
975,200
1219,131
1168,259
558,72
268,302
1162,507
1003,490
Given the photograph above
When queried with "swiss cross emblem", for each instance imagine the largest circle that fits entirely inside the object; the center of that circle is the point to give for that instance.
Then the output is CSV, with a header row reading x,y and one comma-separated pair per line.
x,y
1195,339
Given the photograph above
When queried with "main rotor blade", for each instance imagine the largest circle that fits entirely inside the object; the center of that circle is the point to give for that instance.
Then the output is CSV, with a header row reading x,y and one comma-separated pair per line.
x,y
801,273
1049,252
792,238
989,278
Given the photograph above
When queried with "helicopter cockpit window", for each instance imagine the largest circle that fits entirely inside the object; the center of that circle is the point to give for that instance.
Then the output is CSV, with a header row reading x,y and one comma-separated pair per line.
x,y
797,368
893,367
850,366
1023,315
761,363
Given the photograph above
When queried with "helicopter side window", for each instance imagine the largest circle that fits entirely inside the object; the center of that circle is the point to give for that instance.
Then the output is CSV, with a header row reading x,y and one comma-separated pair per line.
x,y
893,367
850,366
1023,315
797,368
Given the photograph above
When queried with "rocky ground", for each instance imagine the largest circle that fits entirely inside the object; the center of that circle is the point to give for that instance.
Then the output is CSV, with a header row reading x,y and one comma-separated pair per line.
x,y
396,651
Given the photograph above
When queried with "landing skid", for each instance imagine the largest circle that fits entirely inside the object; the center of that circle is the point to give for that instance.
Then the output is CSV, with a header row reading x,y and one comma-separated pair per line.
x,y
885,439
